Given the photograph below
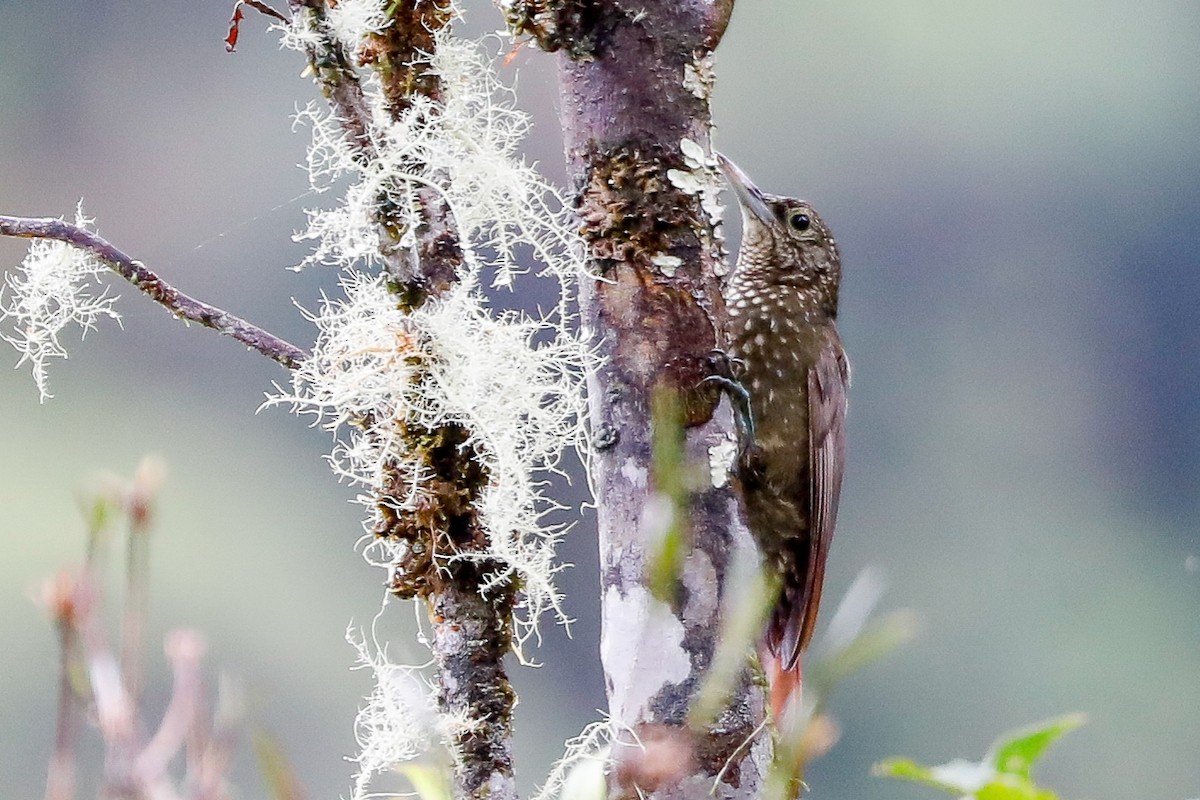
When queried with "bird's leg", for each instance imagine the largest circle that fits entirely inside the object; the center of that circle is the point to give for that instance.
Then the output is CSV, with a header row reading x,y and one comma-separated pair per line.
x,y
725,370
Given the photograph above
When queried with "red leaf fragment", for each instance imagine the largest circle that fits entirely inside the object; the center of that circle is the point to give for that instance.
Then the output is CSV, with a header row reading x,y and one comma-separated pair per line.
x,y
236,20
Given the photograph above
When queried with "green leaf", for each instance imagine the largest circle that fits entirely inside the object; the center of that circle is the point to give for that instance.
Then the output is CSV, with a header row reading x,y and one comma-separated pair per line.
x,y
1004,773
908,770
964,779
1014,752
428,780
1011,787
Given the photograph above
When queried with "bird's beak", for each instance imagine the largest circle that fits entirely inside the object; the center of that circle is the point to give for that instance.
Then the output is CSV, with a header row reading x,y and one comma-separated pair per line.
x,y
749,195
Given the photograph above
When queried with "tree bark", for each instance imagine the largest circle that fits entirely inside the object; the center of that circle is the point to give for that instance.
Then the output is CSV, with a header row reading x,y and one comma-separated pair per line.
x,y
635,97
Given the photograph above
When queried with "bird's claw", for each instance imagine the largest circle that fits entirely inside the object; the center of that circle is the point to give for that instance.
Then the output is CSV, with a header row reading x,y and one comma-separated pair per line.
x,y
725,372
723,365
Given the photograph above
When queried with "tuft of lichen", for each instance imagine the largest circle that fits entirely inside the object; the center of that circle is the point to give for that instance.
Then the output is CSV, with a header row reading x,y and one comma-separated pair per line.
x,y
57,286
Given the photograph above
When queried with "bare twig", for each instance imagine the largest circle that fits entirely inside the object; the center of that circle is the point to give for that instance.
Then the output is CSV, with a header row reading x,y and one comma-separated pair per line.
x,y
60,782
139,502
185,650
181,305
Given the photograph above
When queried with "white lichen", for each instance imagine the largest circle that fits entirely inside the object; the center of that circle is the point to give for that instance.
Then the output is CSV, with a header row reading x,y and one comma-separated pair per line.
x,y
666,263
703,179
693,154
699,77
57,285
466,147
580,773
449,362
511,380
399,721
349,22
353,20
721,457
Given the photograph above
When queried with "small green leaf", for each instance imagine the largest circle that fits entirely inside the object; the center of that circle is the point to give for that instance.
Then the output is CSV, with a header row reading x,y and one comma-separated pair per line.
x,y
428,780
909,770
1011,787
1004,773
1014,752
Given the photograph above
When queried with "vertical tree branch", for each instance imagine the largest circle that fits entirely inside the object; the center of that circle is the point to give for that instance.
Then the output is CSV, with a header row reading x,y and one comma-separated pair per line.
x,y
471,635
635,86
472,629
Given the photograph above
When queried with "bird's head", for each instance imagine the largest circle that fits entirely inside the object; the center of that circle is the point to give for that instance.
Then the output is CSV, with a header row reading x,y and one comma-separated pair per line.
x,y
784,241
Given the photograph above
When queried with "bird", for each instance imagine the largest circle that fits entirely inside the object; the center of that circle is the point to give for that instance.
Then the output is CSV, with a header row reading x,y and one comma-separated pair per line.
x,y
781,301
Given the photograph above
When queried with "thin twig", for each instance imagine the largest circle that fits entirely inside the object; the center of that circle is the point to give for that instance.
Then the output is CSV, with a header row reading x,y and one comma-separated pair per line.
x,y
181,305
139,501
235,20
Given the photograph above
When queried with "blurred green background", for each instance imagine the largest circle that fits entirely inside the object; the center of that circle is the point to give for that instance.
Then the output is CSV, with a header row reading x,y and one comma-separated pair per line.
x,y
1015,187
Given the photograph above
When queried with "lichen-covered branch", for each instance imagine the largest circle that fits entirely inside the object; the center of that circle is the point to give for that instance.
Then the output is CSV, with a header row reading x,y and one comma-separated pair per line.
x,y
335,73
472,634
399,54
181,305
471,614
439,546
635,83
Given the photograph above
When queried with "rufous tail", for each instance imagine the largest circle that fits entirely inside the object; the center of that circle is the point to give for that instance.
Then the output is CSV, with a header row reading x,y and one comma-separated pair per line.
x,y
785,685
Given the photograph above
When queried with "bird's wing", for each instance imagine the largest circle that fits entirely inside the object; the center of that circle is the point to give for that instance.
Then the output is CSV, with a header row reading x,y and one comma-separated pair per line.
x,y
828,381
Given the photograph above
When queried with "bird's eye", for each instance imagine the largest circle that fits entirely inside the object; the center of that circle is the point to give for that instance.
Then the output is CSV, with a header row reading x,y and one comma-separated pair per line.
x,y
799,221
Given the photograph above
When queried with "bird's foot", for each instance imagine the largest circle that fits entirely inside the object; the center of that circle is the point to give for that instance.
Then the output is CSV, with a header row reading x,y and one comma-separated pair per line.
x,y
725,371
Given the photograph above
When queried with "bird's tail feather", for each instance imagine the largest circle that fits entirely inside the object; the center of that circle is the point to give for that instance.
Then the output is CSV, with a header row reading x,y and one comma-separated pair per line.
x,y
785,684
